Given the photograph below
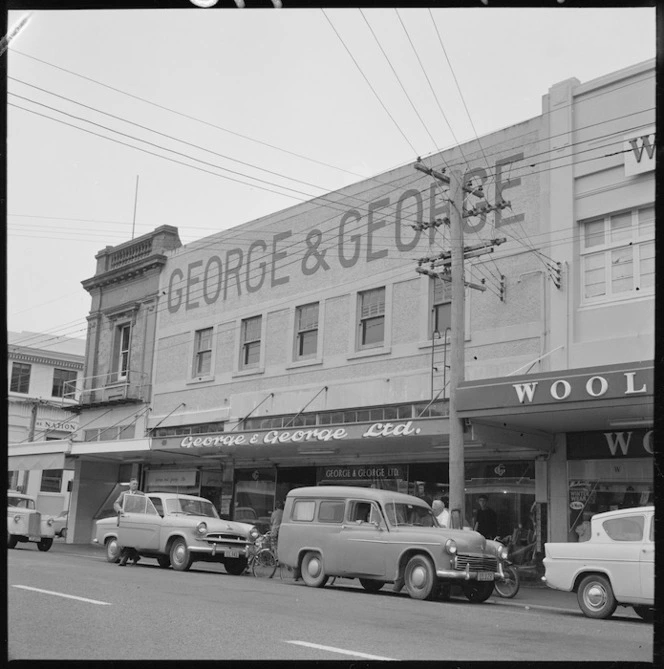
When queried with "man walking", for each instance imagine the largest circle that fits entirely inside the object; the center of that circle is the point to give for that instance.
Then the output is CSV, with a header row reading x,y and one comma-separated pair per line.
x,y
486,522
126,552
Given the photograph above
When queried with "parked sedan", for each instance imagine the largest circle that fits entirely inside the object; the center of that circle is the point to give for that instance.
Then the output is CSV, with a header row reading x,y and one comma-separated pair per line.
x,y
176,530
616,566
60,524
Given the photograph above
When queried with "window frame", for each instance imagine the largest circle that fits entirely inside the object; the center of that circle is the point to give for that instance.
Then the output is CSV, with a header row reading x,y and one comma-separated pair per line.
x,y
196,372
446,301
47,476
19,378
301,331
121,354
634,243
73,374
245,343
364,319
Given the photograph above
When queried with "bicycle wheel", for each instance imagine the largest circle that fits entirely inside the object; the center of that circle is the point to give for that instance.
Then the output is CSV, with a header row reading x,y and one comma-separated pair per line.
x,y
510,585
265,564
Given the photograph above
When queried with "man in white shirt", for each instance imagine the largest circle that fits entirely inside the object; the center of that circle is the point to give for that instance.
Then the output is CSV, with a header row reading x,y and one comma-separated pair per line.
x,y
441,513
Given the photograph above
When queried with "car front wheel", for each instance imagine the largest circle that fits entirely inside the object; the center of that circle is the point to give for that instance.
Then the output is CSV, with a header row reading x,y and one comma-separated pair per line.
x,y
45,544
420,577
180,556
63,534
478,591
11,540
312,570
595,597
112,550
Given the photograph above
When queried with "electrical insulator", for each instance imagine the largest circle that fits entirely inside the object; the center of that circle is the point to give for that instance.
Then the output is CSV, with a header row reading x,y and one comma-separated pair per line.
x,y
557,274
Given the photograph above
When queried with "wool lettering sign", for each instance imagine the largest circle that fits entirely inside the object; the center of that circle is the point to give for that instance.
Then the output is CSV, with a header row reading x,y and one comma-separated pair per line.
x,y
356,236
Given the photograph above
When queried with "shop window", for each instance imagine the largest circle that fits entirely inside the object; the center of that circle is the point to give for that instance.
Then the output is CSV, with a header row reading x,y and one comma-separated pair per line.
x,y
625,529
20,381
251,342
306,334
442,306
121,346
202,352
64,383
331,511
618,255
303,511
255,495
372,318
51,480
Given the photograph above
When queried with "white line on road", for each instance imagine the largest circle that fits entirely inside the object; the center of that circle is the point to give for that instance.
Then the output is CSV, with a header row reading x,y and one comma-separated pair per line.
x,y
340,650
60,594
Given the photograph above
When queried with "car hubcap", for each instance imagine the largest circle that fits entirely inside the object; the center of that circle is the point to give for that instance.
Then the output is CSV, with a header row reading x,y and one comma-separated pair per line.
x,y
418,576
314,567
178,554
596,596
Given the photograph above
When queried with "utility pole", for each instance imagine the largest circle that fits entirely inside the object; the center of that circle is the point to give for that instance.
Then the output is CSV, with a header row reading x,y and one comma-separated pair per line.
x,y
455,259
33,421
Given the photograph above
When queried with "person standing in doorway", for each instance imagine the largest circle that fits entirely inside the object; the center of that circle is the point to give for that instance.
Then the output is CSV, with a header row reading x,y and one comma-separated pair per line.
x,y
275,523
127,553
486,521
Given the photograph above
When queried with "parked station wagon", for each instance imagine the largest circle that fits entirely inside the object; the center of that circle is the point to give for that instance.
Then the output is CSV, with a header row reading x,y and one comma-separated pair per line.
x,y
26,524
176,530
616,566
379,537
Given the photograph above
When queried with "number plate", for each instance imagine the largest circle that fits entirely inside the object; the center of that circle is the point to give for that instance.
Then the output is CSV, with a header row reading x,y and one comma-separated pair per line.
x,y
233,554
485,576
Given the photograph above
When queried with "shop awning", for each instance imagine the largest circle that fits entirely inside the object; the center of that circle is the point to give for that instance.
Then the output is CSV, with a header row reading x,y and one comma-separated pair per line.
x,y
36,461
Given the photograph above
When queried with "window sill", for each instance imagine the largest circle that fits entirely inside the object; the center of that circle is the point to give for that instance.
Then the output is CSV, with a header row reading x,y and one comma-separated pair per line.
x,y
370,352
304,363
248,372
200,379
610,301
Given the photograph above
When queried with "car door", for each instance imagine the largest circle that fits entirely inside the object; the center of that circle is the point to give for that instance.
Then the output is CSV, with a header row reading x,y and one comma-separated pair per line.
x,y
139,523
363,540
622,556
647,561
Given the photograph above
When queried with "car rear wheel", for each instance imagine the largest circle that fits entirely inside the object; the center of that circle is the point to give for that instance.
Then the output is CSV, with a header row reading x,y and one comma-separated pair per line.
x,y
45,544
235,566
595,597
312,570
180,556
63,534
112,550
11,540
645,612
164,561
478,591
420,577
371,585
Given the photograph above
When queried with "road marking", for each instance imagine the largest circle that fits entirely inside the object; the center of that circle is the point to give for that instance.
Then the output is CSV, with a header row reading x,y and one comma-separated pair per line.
x,y
60,594
340,650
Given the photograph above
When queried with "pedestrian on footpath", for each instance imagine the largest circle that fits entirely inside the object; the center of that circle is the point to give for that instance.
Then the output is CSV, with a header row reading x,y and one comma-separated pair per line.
x,y
127,553
441,513
486,521
275,523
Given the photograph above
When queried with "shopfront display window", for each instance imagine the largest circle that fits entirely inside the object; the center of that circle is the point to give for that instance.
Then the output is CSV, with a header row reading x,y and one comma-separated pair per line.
x,y
254,496
602,485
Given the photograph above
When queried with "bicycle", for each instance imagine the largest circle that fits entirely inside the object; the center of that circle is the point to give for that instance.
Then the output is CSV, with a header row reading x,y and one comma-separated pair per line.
x,y
262,561
509,585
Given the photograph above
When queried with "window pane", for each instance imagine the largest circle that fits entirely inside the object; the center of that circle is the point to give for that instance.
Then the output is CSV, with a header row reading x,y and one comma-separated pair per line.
x,y
373,302
331,512
204,339
405,411
442,291
364,415
64,382
390,413
51,480
594,275
20,382
647,222
593,233
308,343
442,318
647,265
303,510
204,362
252,354
307,317
252,329
373,331
621,227
622,270
625,529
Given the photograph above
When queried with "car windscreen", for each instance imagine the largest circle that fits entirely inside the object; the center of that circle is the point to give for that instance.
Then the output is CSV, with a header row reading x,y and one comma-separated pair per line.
x,y
21,503
400,514
191,507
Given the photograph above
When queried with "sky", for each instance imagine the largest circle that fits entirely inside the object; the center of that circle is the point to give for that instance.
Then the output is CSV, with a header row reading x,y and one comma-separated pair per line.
x,y
252,111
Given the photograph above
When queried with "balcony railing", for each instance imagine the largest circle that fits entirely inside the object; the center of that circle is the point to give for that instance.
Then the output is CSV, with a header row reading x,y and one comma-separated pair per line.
x,y
110,388
131,253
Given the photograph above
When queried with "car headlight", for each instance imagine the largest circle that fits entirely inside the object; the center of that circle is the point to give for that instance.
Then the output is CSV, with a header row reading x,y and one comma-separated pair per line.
x,y
201,528
49,521
254,533
451,547
503,552
17,518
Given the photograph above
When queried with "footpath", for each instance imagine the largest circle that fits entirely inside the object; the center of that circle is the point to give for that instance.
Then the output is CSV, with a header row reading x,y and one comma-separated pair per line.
x,y
532,594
